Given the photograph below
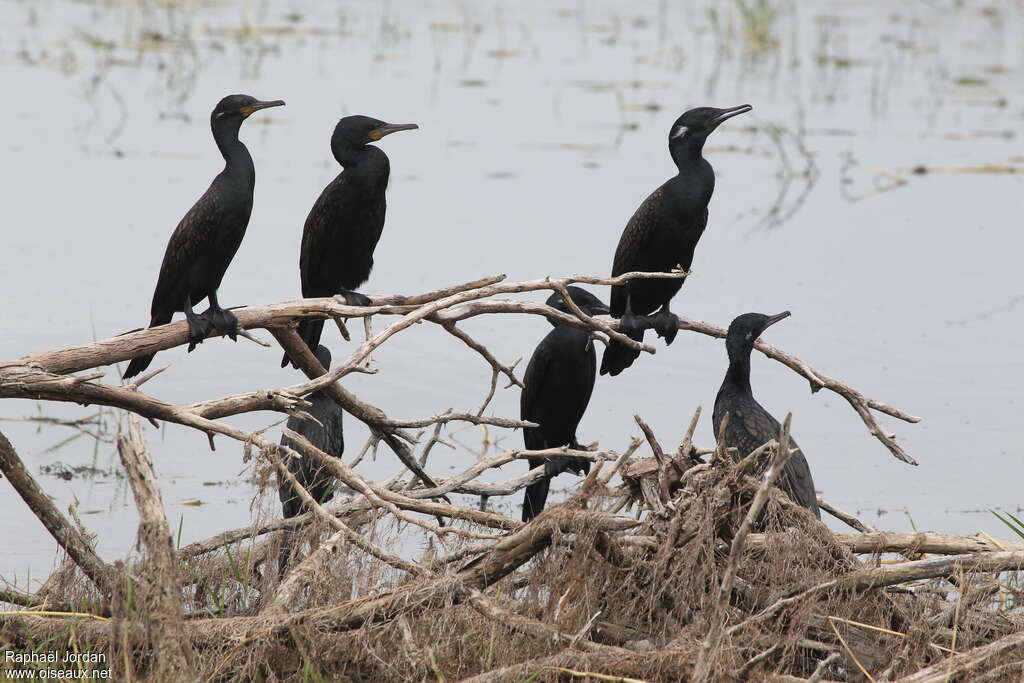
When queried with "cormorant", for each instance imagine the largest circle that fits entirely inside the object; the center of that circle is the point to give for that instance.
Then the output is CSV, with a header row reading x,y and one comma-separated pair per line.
x,y
347,219
662,235
750,425
325,432
206,239
558,382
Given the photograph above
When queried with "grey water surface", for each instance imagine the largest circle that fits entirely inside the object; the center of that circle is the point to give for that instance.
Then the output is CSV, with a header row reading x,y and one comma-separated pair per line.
x,y
542,126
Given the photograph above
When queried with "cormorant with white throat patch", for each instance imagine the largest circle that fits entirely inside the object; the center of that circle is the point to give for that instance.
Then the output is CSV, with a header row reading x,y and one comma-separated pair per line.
x,y
751,426
662,236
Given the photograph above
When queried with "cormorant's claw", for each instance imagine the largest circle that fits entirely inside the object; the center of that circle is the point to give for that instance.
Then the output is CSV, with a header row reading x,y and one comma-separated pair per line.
x,y
555,466
666,324
354,298
224,321
199,329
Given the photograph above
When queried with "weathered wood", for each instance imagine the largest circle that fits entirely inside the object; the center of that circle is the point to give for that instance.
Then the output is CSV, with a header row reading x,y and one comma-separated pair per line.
x,y
445,307
161,576
923,542
890,575
976,661
66,535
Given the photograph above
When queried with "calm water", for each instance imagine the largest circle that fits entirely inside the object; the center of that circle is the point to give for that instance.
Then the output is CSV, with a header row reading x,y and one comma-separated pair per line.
x,y
542,127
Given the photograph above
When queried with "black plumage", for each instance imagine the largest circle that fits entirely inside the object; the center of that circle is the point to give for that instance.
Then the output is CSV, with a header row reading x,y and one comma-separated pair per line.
x,y
346,221
325,432
662,235
558,383
751,426
206,239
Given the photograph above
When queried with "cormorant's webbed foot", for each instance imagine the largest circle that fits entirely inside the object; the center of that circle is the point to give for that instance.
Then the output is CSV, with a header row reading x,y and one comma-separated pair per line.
x,y
666,324
225,321
354,298
579,466
199,328
632,325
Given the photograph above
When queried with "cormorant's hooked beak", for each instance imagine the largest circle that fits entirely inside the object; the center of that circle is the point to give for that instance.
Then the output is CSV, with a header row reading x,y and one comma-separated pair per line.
x,y
600,308
772,319
729,113
389,128
246,111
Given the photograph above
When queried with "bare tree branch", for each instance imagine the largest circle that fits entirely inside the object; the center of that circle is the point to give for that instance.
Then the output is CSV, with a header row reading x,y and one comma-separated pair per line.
x,y
63,532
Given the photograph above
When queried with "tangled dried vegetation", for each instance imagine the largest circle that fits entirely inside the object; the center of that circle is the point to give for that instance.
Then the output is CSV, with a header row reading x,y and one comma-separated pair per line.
x,y
682,566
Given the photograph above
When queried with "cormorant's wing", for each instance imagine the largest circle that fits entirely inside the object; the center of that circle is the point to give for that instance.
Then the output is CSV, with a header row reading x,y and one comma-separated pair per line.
x,y
316,265
194,234
795,478
629,252
533,395
797,482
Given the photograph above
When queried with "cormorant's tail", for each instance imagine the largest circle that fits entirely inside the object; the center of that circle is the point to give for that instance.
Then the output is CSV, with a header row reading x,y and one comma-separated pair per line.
x,y
535,497
140,363
537,493
286,551
310,331
617,356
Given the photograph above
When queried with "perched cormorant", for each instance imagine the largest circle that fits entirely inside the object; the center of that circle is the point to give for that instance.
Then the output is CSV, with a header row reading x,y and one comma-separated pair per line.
x,y
207,238
558,382
750,425
662,235
346,221
325,432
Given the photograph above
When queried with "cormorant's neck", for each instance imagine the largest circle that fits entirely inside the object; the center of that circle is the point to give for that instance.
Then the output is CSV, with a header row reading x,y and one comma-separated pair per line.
x,y
237,159
738,374
688,149
352,155
367,165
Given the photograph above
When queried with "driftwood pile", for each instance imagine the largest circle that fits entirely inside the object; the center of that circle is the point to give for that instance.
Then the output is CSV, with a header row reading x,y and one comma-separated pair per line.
x,y
682,566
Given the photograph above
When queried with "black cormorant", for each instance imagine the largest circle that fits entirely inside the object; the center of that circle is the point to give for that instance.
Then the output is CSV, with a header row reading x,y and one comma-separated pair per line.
x,y
206,239
662,235
346,221
750,425
325,432
558,382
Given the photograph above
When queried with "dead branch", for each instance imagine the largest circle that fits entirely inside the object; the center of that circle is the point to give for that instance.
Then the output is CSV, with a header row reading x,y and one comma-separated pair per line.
x,y
818,380
508,554
285,591
890,575
496,367
161,578
976,661
67,536
708,651
373,417
16,597
446,307
377,495
585,562
844,517
924,542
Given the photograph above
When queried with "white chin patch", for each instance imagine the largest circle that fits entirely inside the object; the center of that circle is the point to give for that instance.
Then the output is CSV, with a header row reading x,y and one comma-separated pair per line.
x,y
680,131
